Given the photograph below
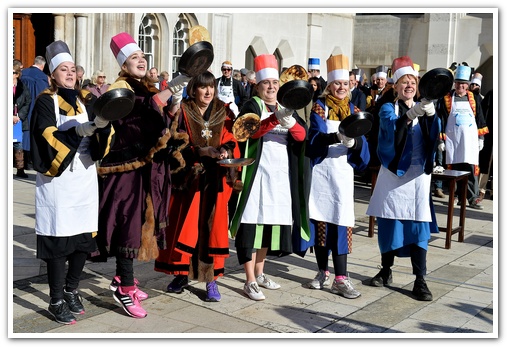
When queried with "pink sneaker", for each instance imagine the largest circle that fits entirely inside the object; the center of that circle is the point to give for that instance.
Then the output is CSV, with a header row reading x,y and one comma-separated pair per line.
x,y
115,283
130,303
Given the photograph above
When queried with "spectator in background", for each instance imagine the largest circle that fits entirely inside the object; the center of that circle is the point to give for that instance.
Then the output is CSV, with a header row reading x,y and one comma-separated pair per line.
x,y
21,99
98,84
81,82
36,81
357,96
250,77
236,74
154,78
164,79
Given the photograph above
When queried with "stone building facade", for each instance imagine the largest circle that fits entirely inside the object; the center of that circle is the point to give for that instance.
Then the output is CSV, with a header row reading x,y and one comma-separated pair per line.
x,y
434,39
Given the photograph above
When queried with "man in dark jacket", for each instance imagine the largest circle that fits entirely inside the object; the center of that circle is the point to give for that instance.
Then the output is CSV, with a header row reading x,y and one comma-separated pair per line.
x,y
35,80
358,97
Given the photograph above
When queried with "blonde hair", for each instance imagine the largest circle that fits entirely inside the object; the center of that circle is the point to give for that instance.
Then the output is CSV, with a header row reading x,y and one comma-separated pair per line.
x,y
96,75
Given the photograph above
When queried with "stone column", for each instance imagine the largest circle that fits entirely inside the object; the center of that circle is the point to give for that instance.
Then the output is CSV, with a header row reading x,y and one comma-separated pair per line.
x,y
59,26
81,42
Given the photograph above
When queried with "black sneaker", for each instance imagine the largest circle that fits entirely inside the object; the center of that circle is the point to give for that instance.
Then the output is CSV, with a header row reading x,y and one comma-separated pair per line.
x,y
382,279
73,299
61,312
178,284
421,291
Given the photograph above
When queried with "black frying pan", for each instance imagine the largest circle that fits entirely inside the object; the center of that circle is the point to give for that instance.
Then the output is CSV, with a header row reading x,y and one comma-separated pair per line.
x,y
436,83
196,59
114,104
356,125
295,94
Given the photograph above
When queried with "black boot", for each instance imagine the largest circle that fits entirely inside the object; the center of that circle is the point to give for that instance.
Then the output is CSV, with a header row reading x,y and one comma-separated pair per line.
x,y
421,291
383,278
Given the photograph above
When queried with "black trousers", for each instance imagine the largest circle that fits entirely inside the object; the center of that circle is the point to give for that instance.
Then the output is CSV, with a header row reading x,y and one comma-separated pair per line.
x,y
417,257
57,278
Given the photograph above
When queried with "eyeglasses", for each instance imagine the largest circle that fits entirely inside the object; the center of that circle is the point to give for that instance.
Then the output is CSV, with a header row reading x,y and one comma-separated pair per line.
x,y
226,69
102,76
15,73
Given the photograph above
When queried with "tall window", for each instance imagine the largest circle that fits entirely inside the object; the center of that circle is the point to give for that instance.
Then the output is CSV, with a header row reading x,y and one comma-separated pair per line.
x,y
146,39
179,44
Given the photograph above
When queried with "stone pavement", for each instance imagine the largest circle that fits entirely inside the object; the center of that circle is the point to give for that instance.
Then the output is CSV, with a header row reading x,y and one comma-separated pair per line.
x,y
463,280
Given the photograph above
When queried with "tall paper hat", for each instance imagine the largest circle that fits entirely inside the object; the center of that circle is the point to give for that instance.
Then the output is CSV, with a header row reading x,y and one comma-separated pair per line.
x,y
477,79
402,66
123,45
462,73
56,53
266,66
337,68
313,64
381,71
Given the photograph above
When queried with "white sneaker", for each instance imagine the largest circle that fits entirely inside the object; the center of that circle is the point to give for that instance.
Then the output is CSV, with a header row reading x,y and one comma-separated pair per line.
x,y
253,291
266,282
344,288
321,280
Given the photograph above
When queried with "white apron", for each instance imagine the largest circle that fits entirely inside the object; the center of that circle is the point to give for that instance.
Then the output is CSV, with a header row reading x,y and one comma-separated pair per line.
x,y
462,139
270,200
405,197
68,205
226,94
332,189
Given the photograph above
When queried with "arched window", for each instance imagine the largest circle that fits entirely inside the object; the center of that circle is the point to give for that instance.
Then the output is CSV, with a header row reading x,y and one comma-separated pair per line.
x,y
147,39
180,43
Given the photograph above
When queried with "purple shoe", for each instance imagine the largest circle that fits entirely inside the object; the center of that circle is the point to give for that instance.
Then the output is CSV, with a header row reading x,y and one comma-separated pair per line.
x,y
212,293
116,282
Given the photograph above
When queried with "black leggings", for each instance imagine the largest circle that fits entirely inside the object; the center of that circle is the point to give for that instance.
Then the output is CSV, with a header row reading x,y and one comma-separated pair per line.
x,y
56,273
125,269
339,260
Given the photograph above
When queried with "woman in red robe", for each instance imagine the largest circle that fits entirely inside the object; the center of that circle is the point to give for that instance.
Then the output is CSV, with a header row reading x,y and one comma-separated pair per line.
x,y
197,236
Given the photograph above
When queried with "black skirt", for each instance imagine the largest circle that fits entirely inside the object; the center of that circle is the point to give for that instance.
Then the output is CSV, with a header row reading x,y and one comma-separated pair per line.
x,y
50,247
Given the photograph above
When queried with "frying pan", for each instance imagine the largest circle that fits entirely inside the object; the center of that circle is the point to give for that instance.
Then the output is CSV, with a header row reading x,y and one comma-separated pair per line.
x,y
236,162
435,83
356,125
196,59
295,94
114,104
